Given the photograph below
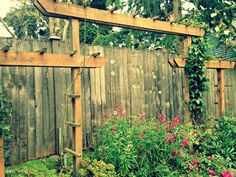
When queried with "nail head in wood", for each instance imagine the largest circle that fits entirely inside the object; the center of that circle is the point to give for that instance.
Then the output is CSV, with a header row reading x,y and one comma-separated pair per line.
x,y
74,96
113,9
135,14
155,18
6,48
42,51
96,54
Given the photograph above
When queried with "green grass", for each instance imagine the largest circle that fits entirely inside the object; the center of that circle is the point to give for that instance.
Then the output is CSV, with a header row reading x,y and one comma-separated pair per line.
x,y
35,168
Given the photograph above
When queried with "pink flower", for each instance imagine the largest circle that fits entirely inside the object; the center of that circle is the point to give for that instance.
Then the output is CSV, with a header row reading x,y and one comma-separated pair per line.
x,y
185,142
211,158
212,172
196,166
226,174
175,152
190,167
141,135
165,140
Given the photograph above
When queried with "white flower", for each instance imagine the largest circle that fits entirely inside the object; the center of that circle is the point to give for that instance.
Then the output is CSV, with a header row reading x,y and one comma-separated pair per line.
x,y
112,62
111,43
213,14
113,73
226,32
120,45
159,92
115,113
152,45
154,76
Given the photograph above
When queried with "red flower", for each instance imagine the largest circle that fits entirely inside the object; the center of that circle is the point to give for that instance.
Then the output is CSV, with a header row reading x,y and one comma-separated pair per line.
x,y
185,142
141,135
165,140
176,120
175,152
212,172
226,174
162,118
171,138
105,115
194,161
167,127
211,158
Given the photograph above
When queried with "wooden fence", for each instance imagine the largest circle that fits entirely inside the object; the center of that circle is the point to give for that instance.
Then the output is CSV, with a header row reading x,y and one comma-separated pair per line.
x,y
141,81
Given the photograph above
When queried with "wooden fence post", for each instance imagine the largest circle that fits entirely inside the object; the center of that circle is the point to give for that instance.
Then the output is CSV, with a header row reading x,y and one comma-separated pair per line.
x,y
187,44
221,91
2,167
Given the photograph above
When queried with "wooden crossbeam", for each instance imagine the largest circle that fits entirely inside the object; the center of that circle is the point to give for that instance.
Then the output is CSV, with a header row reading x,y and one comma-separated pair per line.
x,y
180,63
68,11
32,59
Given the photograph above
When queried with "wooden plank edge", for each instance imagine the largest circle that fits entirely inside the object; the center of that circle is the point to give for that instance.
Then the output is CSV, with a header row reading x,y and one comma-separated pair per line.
x,y
53,9
32,59
221,64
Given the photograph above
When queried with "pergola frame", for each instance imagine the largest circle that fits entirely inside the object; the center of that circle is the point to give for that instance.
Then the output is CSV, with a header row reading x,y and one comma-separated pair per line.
x,y
79,13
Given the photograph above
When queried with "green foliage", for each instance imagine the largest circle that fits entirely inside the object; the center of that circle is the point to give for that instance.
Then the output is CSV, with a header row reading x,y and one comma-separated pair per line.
x,y
139,147
6,110
221,141
27,21
96,168
197,80
36,168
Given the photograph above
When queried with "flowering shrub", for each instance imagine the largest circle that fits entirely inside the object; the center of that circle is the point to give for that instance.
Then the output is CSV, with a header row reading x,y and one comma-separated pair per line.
x,y
155,147
221,141
142,147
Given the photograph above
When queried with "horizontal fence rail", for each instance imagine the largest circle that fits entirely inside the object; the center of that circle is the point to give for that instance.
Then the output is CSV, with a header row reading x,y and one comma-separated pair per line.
x,y
140,81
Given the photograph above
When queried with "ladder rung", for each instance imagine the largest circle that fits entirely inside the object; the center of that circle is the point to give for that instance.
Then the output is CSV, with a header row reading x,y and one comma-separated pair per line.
x,y
73,124
74,96
72,152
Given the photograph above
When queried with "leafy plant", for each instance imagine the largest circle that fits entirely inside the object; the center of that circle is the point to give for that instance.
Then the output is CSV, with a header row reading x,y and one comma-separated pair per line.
x,y
221,141
6,110
139,147
96,168
197,80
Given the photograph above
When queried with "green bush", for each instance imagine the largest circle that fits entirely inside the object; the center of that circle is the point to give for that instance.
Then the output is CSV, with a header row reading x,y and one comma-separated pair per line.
x,y
96,168
221,141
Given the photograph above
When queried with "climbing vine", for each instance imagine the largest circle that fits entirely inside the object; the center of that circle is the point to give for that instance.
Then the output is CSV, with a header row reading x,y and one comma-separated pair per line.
x,y
197,80
6,110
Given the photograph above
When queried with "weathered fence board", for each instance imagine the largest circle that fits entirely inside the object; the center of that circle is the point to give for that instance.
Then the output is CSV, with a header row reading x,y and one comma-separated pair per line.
x,y
140,81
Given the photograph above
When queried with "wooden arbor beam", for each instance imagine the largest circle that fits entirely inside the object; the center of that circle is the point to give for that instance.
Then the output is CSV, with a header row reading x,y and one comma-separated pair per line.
x,y
33,59
180,63
68,11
